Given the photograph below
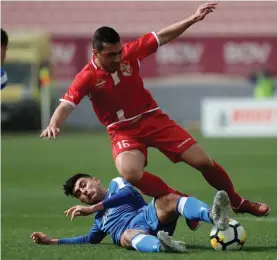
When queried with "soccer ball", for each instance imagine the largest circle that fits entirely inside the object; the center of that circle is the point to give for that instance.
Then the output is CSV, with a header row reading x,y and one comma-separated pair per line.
x,y
233,238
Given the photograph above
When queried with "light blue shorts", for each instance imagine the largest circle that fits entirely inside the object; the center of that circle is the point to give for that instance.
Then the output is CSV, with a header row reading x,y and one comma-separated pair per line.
x,y
147,220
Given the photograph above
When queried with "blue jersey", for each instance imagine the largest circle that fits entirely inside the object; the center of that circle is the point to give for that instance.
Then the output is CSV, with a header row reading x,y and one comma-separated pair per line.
x,y
4,78
114,221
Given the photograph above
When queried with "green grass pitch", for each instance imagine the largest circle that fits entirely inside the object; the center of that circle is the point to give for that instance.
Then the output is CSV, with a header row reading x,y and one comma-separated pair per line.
x,y
33,171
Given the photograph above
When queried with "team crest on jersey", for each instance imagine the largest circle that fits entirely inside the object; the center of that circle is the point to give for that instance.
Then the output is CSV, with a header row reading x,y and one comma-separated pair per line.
x,y
126,68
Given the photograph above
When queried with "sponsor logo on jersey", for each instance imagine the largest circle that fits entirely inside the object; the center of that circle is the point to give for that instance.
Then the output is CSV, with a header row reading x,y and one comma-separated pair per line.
x,y
100,83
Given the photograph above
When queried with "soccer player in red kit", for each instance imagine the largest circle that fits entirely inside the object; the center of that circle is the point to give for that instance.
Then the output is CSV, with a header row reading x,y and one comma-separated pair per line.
x,y
133,119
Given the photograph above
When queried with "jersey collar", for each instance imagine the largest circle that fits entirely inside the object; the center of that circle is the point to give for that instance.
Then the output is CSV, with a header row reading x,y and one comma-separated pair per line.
x,y
94,65
92,60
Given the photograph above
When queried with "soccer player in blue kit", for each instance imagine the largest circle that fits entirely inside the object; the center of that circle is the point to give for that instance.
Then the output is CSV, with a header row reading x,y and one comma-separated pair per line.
x,y
129,220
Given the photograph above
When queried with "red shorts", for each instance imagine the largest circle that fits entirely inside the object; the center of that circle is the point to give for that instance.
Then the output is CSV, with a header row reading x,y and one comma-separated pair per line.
x,y
154,129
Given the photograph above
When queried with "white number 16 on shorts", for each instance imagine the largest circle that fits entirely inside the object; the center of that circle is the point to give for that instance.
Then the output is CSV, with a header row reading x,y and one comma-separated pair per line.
x,y
123,144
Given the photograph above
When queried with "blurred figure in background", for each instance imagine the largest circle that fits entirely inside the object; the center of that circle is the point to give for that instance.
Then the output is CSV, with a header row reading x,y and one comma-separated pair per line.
x,y
263,83
4,47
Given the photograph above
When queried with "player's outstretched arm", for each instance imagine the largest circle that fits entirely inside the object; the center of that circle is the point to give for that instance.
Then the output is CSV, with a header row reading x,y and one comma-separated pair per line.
x,y
171,32
95,236
58,118
41,238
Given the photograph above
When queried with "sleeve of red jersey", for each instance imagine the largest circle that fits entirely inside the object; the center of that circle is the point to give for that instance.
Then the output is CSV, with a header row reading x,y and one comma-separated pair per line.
x,y
77,90
145,45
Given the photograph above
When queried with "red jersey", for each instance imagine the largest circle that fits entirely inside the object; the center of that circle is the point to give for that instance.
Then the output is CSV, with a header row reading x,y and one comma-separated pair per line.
x,y
119,96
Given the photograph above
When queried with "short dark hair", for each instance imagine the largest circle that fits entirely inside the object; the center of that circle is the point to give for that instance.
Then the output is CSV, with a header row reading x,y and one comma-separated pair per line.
x,y
4,38
70,183
104,35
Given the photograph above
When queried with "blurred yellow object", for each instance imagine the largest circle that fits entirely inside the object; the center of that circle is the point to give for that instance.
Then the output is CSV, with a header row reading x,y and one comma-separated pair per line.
x,y
28,70
13,94
32,47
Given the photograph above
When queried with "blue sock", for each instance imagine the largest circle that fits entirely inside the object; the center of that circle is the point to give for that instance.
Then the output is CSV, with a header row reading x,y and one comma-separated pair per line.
x,y
146,243
193,209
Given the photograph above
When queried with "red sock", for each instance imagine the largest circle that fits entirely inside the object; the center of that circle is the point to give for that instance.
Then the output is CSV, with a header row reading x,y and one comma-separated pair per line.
x,y
154,186
219,179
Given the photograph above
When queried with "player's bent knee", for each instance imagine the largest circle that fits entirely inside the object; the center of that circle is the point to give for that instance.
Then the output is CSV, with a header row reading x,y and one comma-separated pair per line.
x,y
127,236
131,172
130,165
125,242
166,208
167,202
166,205
131,176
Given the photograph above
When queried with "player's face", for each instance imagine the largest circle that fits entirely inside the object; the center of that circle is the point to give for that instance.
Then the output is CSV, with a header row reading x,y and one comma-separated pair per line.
x,y
110,56
3,53
88,190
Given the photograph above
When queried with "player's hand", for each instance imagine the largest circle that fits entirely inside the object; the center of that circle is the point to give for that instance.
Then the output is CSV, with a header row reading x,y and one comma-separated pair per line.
x,y
204,9
50,131
80,210
41,238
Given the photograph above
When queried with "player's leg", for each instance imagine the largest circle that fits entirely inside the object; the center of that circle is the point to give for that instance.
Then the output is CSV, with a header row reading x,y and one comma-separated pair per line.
x,y
178,145
130,158
137,235
130,165
143,242
217,177
169,207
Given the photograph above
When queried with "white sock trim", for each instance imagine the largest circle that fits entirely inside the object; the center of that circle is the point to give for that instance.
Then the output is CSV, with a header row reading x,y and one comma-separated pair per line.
x,y
136,240
181,205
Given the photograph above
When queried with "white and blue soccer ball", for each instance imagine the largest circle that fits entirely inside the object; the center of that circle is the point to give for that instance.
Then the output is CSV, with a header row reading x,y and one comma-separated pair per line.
x,y
233,238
